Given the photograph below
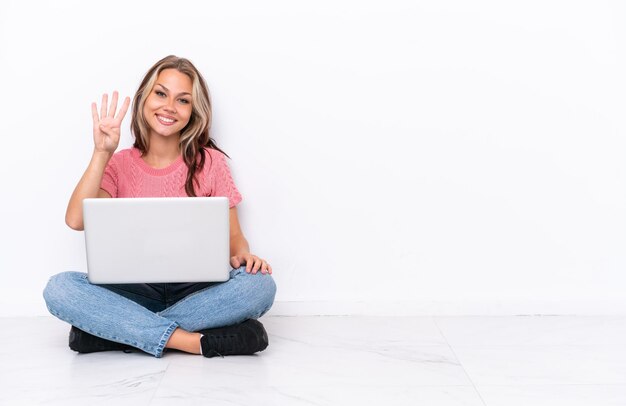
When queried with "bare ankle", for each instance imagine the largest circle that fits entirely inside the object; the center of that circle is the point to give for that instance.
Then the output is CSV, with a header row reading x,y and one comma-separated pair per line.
x,y
184,341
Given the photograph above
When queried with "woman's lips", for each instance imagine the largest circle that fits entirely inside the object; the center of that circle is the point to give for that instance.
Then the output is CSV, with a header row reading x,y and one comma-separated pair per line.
x,y
165,120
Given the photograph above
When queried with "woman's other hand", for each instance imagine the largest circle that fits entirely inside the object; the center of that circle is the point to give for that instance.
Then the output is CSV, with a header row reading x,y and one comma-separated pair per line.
x,y
106,126
252,262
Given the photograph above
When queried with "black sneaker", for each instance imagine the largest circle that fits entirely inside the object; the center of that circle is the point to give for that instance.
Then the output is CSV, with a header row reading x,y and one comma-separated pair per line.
x,y
85,343
241,339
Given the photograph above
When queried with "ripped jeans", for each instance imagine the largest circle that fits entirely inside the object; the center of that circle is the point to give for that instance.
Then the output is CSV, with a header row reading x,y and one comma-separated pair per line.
x,y
145,315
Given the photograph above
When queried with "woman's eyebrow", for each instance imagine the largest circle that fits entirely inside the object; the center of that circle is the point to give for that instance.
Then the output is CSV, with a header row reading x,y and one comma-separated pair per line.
x,y
167,90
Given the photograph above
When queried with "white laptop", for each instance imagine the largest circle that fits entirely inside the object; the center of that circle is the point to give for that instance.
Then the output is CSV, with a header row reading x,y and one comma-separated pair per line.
x,y
157,240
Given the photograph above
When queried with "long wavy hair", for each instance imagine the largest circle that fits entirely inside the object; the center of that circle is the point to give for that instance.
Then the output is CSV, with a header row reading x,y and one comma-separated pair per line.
x,y
194,137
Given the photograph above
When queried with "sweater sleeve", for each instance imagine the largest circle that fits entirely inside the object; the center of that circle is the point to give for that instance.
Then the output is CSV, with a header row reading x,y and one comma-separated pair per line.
x,y
110,177
223,184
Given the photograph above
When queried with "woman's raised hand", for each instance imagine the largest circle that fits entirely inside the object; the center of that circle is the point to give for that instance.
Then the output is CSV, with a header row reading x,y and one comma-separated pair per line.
x,y
106,126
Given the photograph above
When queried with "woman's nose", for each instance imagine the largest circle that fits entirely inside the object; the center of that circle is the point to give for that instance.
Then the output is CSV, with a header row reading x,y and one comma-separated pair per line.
x,y
171,106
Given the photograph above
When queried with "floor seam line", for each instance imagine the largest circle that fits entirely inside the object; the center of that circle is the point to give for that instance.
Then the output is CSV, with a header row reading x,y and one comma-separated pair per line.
x,y
480,396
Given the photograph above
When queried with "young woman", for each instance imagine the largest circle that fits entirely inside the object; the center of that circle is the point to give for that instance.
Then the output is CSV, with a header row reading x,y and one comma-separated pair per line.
x,y
173,155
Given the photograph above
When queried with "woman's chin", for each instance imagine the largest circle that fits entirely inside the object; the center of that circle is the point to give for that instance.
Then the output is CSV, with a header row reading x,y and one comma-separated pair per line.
x,y
165,134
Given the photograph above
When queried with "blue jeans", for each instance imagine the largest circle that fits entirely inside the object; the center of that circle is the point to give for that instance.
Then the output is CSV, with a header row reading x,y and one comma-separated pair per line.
x,y
145,315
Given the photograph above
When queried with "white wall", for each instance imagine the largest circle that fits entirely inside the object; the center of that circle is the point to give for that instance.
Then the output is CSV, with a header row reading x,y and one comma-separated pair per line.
x,y
404,157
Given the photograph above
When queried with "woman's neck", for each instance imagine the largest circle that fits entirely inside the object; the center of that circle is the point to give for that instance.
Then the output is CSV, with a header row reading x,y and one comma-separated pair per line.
x,y
163,151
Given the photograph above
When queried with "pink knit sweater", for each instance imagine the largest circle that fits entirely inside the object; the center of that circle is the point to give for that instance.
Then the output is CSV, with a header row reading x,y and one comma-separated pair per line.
x,y
127,175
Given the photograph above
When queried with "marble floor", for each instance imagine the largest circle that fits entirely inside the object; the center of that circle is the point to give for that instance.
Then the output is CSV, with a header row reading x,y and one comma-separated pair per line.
x,y
493,361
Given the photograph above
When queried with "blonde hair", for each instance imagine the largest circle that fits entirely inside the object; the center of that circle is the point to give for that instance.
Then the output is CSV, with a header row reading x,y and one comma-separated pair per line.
x,y
194,137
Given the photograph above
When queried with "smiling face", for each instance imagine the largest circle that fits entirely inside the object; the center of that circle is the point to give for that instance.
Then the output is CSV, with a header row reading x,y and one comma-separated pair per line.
x,y
168,108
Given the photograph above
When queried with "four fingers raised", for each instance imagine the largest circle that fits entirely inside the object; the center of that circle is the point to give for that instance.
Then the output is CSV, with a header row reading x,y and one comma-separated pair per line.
x,y
109,111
